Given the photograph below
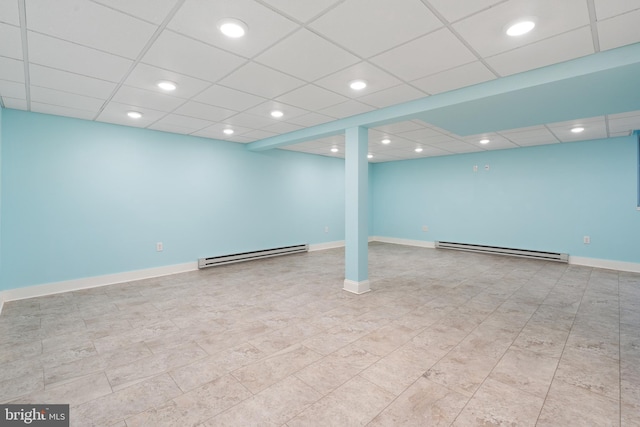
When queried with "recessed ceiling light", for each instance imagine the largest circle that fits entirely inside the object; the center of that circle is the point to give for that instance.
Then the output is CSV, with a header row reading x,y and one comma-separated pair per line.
x,y
419,150
134,114
358,84
228,131
386,141
577,129
334,150
167,85
233,28
484,141
277,114
521,27
369,156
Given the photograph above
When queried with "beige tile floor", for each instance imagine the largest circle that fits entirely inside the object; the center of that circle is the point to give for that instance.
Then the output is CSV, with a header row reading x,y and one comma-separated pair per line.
x,y
445,338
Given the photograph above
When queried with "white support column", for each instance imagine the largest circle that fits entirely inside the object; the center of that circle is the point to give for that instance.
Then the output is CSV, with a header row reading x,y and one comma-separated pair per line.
x,y
356,216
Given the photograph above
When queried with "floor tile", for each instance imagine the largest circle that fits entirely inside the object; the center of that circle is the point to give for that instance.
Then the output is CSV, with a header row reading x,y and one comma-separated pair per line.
x,y
526,370
332,371
353,404
195,407
278,341
499,404
260,375
568,405
424,403
273,406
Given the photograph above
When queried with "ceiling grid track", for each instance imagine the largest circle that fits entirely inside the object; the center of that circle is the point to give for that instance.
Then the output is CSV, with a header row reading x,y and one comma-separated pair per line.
x,y
449,26
25,51
142,53
593,20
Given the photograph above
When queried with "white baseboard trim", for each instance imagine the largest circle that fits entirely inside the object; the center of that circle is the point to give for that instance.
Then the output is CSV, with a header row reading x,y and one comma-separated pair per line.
x,y
94,282
605,263
356,287
327,245
406,242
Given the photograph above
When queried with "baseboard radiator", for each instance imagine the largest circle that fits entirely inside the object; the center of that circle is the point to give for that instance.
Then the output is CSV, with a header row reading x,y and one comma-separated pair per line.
x,y
249,256
523,253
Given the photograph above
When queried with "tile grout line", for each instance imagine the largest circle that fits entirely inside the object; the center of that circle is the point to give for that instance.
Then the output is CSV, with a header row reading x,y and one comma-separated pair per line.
x,y
505,352
565,344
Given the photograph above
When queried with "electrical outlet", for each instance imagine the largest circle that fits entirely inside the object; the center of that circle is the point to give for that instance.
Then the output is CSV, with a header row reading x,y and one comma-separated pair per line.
x,y
159,247
425,228
326,228
486,167
586,240
475,168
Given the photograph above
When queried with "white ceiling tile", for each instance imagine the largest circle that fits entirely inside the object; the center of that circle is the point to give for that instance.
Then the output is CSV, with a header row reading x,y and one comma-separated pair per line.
x,y
564,47
54,53
618,134
171,128
594,128
392,96
9,12
241,139
250,121
282,127
187,124
442,48
428,151
260,80
619,31
609,8
347,109
531,136
368,27
69,82
259,134
12,89
173,51
150,10
146,99
624,123
115,112
204,111
376,79
312,98
59,110
14,103
198,19
11,69
393,128
464,75
301,10
215,131
536,141
265,109
147,77
453,10
496,142
422,134
90,24
11,45
460,147
485,31
311,119
306,56
222,96
65,99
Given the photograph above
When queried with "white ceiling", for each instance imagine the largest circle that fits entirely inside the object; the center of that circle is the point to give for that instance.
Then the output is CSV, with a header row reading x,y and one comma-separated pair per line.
x,y
98,59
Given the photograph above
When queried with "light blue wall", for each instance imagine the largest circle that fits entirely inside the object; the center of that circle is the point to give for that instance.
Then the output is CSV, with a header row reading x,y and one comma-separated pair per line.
x,y
541,198
83,199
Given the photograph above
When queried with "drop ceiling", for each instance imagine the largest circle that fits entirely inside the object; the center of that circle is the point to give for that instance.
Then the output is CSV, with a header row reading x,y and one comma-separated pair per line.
x,y
97,60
